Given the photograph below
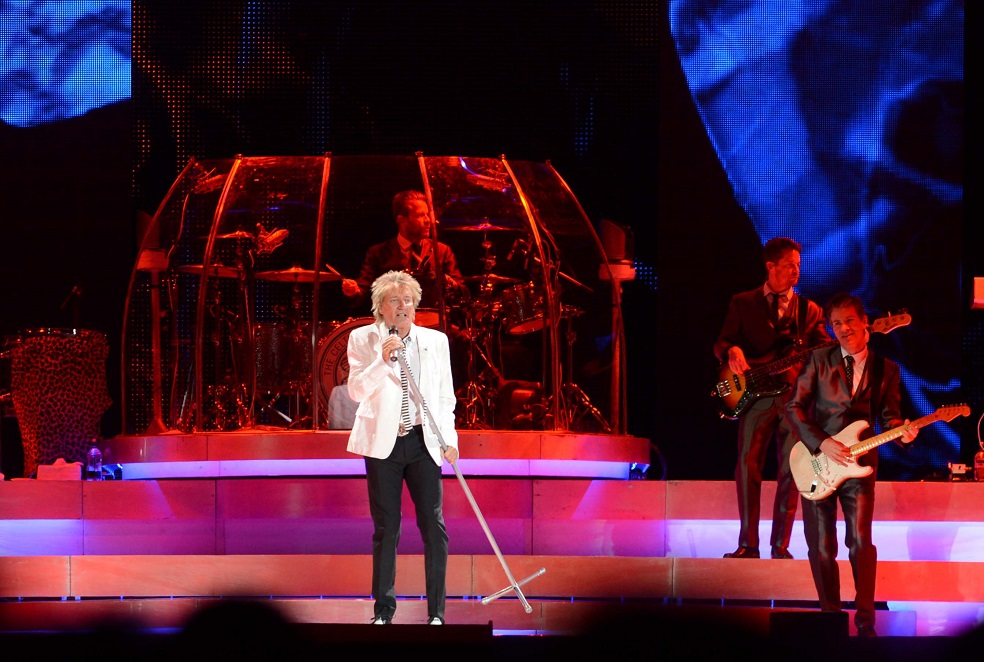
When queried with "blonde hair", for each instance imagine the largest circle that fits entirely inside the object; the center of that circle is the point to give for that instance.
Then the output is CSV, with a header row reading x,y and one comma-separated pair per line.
x,y
393,280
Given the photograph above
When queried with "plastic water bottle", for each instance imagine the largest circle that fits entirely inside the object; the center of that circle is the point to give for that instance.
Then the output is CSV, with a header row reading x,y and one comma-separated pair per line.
x,y
94,464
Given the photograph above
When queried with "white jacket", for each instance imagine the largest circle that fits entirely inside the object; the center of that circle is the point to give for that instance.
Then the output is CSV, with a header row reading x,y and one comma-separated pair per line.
x,y
375,384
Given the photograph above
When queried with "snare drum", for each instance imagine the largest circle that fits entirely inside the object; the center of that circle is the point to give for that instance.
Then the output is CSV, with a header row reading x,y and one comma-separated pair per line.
x,y
522,309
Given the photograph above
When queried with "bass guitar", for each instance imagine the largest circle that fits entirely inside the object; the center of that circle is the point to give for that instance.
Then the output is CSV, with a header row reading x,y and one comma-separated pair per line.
x,y
737,391
816,476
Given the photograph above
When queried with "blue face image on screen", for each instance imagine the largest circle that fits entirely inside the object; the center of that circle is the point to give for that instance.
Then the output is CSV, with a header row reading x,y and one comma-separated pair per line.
x,y
840,124
61,59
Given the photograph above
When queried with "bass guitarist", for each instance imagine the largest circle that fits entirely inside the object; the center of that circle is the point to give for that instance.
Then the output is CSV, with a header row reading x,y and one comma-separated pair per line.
x,y
759,326
838,386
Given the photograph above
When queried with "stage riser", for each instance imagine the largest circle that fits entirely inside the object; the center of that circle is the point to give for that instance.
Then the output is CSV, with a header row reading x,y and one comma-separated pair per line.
x,y
285,453
507,616
913,521
549,615
291,516
565,577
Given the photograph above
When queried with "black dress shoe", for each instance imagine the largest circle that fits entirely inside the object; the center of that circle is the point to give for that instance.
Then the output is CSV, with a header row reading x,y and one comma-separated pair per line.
x,y
866,631
780,552
743,553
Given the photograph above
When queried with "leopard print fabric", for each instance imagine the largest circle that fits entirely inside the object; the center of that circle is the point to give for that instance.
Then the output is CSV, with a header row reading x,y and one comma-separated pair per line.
x,y
58,387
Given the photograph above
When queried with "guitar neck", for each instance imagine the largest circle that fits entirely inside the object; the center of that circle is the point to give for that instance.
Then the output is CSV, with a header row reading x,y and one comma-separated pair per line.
x,y
863,447
880,325
780,365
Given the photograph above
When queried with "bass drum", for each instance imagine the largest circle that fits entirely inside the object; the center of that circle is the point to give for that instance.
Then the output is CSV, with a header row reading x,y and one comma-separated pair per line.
x,y
337,409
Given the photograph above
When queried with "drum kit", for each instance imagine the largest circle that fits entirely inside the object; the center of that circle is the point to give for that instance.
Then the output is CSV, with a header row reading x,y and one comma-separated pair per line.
x,y
272,378
265,362
507,310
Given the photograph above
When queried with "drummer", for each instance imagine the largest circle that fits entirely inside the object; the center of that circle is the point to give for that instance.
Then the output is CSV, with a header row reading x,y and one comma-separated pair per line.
x,y
415,250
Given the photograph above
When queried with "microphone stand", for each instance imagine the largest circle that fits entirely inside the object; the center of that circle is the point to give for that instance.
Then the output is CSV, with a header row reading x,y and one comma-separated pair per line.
x,y
513,584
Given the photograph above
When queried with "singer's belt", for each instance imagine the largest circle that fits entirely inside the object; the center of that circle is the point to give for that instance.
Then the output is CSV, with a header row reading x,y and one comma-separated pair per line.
x,y
403,431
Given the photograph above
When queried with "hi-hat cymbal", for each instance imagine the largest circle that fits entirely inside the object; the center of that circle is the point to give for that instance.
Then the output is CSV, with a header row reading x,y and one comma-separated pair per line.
x,y
494,279
215,271
296,275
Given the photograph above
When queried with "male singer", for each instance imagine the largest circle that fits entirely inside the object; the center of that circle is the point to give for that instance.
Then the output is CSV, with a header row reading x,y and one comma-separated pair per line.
x,y
396,436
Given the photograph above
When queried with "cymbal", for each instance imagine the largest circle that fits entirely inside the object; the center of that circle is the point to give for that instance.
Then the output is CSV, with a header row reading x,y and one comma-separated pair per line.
x,y
152,259
297,275
216,270
478,227
494,279
238,234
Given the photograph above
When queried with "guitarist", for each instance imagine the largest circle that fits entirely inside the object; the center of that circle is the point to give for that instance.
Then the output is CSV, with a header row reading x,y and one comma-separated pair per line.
x,y
759,324
823,402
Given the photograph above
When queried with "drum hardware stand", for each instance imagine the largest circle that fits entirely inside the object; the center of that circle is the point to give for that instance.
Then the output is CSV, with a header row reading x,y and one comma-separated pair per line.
x,y
576,404
477,398
268,405
297,385
475,391
573,404
229,385
488,264
513,584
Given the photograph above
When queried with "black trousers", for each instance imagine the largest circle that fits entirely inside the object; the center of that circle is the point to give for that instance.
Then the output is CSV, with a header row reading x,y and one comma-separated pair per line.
x,y
857,499
762,421
408,462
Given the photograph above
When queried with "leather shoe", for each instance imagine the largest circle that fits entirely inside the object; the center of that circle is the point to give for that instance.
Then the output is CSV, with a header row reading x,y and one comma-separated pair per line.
x,y
780,552
743,553
866,631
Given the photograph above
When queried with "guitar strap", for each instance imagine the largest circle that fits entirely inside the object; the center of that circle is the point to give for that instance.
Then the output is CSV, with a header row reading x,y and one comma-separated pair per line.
x,y
801,310
877,371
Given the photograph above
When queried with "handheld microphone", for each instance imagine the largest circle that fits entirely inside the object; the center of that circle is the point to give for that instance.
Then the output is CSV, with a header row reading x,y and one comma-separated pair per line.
x,y
393,352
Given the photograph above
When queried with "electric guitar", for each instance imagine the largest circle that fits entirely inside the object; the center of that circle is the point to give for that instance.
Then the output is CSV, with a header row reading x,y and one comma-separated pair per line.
x,y
816,476
737,391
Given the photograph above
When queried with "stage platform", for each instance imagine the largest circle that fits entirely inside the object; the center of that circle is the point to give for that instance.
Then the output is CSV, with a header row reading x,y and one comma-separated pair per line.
x,y
155,552
277,452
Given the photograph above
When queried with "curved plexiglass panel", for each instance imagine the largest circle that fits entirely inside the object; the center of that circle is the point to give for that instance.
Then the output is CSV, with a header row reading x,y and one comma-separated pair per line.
x,y
236,316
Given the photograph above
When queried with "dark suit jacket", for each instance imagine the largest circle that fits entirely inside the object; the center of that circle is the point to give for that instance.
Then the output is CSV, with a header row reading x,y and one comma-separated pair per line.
x,y
747,325
821,407
388,256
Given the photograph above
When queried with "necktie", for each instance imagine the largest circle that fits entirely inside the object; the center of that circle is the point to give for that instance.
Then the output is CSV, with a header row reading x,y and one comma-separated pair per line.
x,y
415,255
775,306
405,422
849,373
